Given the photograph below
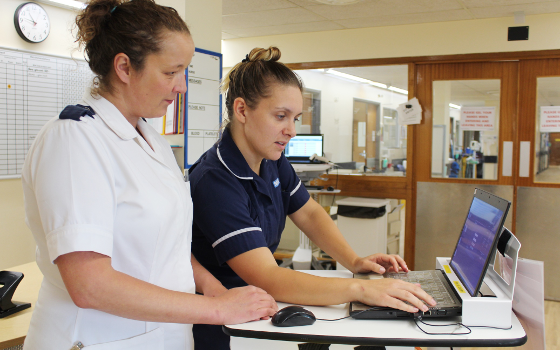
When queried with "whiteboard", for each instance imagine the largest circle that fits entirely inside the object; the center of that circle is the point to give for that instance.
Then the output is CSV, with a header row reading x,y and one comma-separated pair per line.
x,y
204,112
34,88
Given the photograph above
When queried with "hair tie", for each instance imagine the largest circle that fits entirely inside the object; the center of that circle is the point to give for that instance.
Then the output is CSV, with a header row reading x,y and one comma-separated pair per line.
x,y
113,9
246,59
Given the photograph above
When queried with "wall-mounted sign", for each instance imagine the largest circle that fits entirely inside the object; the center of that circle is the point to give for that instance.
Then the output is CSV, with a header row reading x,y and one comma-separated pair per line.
x,y
550,119
477,118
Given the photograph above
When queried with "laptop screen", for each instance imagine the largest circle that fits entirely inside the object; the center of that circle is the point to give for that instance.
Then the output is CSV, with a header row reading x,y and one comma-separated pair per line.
x,y
304,146
478,239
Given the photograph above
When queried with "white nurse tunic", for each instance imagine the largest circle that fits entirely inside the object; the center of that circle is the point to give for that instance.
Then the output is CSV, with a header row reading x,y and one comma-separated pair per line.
x,y
95,184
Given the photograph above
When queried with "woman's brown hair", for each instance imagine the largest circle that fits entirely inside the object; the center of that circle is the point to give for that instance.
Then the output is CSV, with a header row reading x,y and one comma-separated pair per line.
x,y
252,78
136,28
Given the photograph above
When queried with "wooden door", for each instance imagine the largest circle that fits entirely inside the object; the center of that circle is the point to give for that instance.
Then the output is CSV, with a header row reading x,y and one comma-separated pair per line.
x,y
442,203
537,190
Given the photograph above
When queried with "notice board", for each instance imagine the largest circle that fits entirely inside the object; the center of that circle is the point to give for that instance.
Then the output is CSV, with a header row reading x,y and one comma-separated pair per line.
x,y
204,104
34,88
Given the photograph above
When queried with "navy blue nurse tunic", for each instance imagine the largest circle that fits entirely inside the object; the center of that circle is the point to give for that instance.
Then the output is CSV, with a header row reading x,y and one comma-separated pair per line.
x,y
235,211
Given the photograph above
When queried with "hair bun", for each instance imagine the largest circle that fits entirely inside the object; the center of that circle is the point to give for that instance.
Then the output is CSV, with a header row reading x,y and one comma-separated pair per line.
x,y
271,54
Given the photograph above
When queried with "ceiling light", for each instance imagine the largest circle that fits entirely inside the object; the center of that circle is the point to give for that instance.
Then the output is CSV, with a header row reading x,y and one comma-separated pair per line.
x,y
355,78
454,106
338,2
68,4
396,89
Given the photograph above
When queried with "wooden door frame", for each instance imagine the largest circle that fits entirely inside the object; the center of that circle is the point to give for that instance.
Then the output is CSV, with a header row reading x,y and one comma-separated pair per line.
x,y
405,188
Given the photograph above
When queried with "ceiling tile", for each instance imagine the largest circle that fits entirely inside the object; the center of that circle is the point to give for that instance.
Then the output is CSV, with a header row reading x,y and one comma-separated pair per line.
x,y
306,3
444,16
493,3
396,75
286,29
383,8
231,7
508,11
226,36
269,18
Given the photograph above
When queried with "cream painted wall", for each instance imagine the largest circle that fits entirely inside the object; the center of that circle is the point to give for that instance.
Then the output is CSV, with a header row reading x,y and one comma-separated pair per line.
x,y
442,38
204,20
337,103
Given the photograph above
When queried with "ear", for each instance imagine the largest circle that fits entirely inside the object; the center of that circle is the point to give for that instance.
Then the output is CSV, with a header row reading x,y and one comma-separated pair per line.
x,y
240,110
123,67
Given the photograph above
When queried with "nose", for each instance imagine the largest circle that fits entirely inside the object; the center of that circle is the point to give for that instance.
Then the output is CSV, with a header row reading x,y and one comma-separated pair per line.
x,y
181,86
290,130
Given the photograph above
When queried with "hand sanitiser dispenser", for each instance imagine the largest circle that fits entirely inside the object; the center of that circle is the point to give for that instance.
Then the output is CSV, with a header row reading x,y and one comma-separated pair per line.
x,y
492,304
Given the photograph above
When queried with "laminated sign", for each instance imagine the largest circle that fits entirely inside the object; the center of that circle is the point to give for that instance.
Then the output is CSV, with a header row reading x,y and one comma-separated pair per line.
x,y
477,118
550,119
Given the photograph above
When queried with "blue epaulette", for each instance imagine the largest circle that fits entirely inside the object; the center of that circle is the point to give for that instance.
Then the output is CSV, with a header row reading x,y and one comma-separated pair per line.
x,y
76,112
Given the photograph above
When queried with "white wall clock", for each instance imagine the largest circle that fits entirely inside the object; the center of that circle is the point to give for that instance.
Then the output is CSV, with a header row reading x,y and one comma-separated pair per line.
x,y
32,22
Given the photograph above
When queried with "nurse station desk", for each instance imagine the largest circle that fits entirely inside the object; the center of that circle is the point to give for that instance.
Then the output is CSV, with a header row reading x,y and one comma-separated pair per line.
x,y
13,329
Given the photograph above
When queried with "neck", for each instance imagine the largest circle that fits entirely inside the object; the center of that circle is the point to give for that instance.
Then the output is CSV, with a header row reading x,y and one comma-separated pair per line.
x,y
240,139
118,100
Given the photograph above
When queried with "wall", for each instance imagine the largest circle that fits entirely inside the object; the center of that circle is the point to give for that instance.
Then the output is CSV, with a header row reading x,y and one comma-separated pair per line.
x,y
204,20
337,104
428,39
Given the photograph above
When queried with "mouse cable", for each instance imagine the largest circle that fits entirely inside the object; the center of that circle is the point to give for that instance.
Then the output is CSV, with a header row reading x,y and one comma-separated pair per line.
x,y
453,324
342,318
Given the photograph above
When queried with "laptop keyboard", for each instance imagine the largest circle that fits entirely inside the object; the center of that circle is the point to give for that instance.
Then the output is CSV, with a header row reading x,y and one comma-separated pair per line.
x,y
429,281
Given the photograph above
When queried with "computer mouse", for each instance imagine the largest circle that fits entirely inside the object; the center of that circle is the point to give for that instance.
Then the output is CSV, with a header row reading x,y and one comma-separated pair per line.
x,y
293,316
330,188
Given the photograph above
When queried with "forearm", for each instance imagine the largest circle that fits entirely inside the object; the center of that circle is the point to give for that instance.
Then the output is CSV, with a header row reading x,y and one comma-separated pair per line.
x,y
205,282
94,284
296,287
322,230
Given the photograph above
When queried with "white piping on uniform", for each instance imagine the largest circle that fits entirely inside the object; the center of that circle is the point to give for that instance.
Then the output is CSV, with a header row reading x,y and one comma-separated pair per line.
x,y
239,177
295,189
234,233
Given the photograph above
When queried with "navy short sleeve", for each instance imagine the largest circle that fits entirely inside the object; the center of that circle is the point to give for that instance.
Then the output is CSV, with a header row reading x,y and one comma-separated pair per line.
x,y
292,184
222,212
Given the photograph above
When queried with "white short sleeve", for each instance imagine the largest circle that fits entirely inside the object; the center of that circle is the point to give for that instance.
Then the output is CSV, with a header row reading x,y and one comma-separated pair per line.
x,y
71,175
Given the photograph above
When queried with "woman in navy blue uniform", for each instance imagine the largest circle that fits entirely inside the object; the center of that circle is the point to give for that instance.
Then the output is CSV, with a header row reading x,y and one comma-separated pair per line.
x,y
243,188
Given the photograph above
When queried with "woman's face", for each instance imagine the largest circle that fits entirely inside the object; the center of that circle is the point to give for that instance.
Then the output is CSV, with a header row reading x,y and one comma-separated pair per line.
x,y
270,126
154,88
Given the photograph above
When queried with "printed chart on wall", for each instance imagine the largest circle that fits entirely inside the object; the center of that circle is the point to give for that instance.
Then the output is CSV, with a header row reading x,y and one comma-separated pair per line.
x,y
204,112
34,88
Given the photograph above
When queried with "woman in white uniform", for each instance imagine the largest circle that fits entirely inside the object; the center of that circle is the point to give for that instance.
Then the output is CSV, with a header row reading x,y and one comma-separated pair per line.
x,y
107,203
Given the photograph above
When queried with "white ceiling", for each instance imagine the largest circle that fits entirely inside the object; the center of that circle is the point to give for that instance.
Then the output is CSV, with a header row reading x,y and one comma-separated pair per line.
x,y
248,18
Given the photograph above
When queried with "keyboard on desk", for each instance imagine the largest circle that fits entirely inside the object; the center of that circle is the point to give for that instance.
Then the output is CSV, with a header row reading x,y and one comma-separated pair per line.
x,y
431,281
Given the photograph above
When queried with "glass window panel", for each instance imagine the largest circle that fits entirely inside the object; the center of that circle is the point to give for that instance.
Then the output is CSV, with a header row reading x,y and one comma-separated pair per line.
x,y
547,133
359,118
466,129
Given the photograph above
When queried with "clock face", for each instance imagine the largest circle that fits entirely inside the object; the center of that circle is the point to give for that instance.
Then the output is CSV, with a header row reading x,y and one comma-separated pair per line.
x,y
32,22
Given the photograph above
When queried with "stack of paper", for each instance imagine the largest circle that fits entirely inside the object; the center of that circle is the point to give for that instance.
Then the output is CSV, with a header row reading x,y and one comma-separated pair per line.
x,y
410,112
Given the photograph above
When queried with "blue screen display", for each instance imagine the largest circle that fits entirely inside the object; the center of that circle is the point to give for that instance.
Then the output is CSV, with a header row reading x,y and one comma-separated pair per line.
x,y
469,259
305,146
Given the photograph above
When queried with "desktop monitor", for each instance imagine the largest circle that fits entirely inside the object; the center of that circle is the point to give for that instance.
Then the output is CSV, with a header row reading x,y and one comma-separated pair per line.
x,y
301,147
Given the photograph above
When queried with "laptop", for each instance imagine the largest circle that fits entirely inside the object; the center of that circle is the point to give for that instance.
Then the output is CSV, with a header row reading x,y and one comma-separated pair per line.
x,y
302,147
476,245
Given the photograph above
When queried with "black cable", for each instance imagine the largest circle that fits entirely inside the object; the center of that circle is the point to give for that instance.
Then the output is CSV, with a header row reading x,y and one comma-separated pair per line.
x,y
441,325
453,324
342,318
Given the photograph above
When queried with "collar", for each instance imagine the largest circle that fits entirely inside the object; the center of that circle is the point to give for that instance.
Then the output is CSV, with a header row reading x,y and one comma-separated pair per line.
x,y
232,158
111,116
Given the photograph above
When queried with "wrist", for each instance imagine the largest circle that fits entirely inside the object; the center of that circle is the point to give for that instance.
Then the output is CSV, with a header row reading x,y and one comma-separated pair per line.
x,y
356,290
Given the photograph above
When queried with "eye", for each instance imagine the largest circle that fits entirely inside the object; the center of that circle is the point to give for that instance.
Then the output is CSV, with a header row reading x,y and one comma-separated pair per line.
x,y
296,119
280,116
171,73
